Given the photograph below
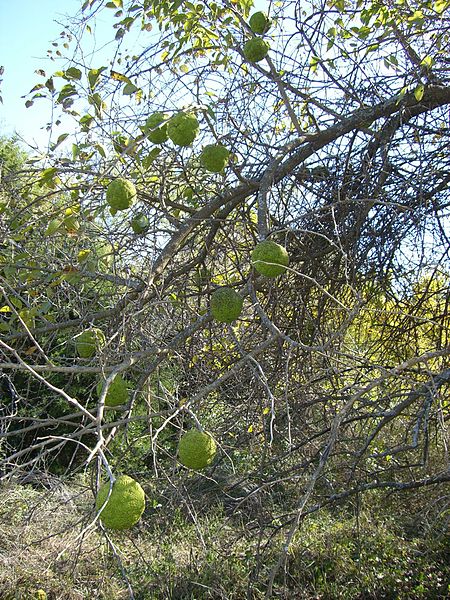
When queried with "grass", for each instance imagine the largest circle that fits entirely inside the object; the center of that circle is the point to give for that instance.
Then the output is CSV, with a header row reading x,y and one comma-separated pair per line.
x,y
185,553
39,548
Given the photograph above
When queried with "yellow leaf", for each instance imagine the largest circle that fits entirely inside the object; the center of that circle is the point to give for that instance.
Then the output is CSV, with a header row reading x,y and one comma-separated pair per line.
x,y
419,91
30,350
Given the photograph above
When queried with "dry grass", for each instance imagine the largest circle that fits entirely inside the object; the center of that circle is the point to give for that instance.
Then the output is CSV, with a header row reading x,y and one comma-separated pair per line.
x,y
177,555
40,546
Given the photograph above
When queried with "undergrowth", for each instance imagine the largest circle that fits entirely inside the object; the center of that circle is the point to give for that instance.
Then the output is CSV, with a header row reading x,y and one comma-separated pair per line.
x,y
170,555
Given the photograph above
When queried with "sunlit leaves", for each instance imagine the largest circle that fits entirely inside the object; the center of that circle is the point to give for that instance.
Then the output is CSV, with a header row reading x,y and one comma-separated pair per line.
x,y
129,89
427,62
94,75
72,73
419,91
417,18
119,77
53,226
49,178
99,106
67,92
59,141
86,122
314,62
440,6
195,29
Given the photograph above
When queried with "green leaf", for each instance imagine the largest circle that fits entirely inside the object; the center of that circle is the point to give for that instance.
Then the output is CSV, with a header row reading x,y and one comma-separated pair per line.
x,y
93,76
100,149
120,33
49,84
97,102
49,178
75,151
86,122
139,95
53,227
418,92
402,93
129,89
440,6
17,302
427,62
27,316
147,161
72,73
37,87
417,17
66,92
315,60
59,141
88,4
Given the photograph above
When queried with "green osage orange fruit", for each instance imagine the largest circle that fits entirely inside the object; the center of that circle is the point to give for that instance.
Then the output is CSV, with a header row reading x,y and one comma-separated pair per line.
x,y
156,135
269,258
125,505
120,194
139,223
226,305
256,49
214,157
259,22
117,393
183,128
196,449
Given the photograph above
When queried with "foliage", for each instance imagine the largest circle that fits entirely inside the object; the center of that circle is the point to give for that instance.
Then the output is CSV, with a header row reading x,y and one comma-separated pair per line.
x,y
333,383
166,558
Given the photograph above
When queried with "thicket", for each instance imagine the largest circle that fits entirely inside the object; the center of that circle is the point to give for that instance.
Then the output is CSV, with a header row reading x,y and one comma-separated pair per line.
x,y
134,306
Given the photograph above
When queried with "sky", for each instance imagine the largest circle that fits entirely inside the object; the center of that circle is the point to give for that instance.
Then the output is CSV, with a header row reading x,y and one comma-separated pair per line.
x,y
27,29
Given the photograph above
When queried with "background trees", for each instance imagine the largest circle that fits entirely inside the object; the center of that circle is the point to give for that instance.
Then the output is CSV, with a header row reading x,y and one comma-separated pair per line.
x,y
333,381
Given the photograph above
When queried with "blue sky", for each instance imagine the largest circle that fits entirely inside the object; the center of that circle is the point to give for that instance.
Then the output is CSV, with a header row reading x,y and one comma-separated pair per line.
x,y
27,29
